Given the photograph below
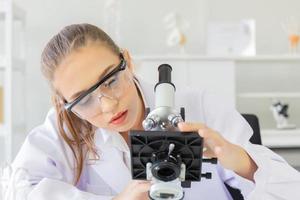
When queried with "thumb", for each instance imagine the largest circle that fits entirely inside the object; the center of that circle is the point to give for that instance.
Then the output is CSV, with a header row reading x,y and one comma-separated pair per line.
x,y
182,126
185,126
144,187
218,151
219,154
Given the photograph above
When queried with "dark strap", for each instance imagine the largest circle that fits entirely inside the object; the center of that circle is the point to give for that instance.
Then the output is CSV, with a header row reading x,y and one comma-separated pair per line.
x,y
235,193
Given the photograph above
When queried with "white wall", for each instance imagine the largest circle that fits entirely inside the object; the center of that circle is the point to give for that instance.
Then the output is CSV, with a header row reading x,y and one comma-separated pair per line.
x,y
268,15
142,30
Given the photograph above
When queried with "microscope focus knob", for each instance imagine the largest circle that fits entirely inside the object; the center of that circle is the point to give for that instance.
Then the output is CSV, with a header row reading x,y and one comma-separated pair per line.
x,y
210,160
150,122
207,175
174,119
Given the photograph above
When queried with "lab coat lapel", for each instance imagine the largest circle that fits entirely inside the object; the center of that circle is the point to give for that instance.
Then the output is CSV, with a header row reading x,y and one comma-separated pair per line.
x,y
110,166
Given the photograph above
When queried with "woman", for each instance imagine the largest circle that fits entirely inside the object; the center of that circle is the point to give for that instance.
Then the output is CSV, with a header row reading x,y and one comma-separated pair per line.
x,y
81,151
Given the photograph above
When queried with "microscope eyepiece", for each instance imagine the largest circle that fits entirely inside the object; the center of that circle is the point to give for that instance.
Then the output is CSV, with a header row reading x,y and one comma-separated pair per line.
x,y
164,73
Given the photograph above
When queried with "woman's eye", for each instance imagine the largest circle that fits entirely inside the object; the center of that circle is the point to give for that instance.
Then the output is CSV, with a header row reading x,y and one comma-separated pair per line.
x,y
86,100
110,82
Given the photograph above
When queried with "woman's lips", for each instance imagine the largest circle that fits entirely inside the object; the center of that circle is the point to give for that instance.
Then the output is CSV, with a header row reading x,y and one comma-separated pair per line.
x,y
119,118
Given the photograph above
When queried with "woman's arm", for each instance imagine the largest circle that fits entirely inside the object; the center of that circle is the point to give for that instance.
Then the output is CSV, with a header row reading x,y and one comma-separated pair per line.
x,y
230,156
227,133
47,170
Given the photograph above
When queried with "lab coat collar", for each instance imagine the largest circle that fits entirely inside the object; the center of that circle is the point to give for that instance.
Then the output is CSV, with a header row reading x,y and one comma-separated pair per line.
x,y
110,166
110,138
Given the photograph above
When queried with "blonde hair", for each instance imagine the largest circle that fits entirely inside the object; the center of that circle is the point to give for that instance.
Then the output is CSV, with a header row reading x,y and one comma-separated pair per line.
x,y
79,134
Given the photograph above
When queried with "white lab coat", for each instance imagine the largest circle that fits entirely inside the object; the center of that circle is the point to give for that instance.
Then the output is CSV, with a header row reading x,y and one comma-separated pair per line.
x,y
49,164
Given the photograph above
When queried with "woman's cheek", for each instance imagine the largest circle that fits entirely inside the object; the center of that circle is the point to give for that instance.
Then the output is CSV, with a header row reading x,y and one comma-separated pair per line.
x,y
97,121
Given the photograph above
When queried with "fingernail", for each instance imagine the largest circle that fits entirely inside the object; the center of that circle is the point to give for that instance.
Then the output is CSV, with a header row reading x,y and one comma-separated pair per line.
x,y
200,133
218,150
180,124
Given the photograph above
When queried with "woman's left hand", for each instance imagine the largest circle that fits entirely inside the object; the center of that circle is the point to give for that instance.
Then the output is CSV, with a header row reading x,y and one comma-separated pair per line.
x,y
230,156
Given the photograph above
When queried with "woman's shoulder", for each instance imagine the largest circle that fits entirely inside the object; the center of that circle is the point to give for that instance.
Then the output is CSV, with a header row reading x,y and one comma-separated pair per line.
x,y
48,129
44,137
43,141
44,153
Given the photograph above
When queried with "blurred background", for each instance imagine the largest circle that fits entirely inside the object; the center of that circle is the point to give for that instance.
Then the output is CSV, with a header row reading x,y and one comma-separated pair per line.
x,y
246,51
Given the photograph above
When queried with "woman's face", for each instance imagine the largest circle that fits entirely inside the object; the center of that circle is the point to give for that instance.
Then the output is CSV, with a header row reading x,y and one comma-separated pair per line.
x,y
84,67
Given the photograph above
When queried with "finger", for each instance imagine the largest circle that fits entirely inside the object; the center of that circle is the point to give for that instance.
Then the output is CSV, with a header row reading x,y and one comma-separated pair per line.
x,y
143,187
140,181
186,126
135,183
223,156
211,137
218,151
212,142
208,154
207,133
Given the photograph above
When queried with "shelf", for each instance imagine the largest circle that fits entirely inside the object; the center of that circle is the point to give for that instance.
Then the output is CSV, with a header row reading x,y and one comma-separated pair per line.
x,y
18,13
11,17
20,128
2,131
17,63
281,138
280,57
2,61
183,57
269,95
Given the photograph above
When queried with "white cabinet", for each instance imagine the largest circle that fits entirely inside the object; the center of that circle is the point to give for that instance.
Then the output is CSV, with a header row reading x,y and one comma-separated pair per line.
x,y
251,83
12,21
262,80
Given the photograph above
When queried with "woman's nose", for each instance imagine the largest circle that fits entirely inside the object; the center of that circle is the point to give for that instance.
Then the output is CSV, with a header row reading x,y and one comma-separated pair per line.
x,y
108,104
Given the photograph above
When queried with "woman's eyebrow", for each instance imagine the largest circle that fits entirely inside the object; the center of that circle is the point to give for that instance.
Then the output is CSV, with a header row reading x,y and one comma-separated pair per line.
x,y
105,72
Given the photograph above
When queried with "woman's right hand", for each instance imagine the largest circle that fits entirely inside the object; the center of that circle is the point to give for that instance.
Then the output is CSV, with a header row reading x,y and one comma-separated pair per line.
x,y
135,190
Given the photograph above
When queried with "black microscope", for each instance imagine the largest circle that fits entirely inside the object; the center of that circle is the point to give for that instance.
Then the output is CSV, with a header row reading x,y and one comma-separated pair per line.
x,y
170,159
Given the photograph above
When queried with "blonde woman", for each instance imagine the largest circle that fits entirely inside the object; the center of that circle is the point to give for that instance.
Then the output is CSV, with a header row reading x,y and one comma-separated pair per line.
x,y
81,150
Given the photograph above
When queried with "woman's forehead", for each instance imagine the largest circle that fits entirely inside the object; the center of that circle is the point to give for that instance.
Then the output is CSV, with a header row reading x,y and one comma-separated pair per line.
x,y
82,68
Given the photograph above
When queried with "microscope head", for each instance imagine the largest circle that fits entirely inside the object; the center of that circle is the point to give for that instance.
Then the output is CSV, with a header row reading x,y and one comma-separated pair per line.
x,y
164,117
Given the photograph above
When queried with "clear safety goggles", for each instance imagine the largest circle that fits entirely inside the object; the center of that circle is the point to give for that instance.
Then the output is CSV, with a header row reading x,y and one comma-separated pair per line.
x,y
107,91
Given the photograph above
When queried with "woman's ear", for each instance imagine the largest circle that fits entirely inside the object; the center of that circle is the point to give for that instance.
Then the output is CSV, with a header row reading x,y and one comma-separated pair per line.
x,y
128,59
